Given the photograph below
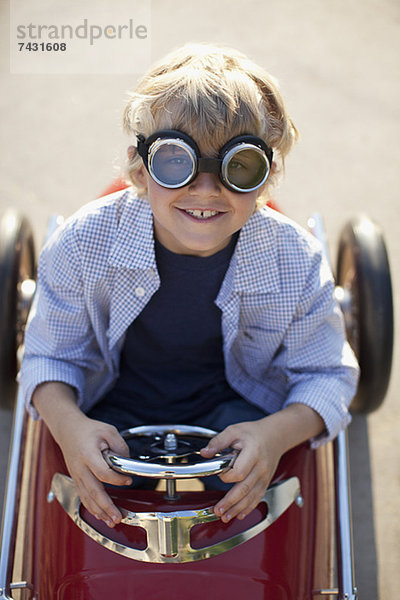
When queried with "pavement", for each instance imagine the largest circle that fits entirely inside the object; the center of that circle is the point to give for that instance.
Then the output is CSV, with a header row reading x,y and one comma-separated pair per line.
x,y
338,66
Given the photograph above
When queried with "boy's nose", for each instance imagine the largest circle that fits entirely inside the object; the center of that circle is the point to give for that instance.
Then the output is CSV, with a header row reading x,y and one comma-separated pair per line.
x,y
205,183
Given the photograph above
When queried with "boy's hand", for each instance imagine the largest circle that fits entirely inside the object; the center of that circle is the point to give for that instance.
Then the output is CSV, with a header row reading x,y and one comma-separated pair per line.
x,y
261,445
82,443
259,454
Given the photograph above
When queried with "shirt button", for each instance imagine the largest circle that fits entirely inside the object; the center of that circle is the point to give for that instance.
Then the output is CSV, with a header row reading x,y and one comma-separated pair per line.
x,y
140,292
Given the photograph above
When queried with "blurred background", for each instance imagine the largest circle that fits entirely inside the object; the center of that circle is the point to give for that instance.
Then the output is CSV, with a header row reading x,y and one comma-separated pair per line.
x,y
338,66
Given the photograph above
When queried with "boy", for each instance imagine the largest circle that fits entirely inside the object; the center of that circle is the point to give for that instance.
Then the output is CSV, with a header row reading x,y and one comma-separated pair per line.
x,y
181,300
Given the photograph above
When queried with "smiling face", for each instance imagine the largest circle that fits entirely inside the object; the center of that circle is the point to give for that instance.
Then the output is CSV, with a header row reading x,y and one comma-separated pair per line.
x,y
200,218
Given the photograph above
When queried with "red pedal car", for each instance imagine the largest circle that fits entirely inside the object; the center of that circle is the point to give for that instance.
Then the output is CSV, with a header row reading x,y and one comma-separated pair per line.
x,y
295,545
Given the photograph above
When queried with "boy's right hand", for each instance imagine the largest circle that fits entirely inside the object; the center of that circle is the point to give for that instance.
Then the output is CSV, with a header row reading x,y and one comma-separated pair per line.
x,y
82,443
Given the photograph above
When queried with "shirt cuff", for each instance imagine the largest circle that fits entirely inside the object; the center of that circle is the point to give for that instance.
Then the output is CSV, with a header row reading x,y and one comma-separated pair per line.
x,y
37,371
329,399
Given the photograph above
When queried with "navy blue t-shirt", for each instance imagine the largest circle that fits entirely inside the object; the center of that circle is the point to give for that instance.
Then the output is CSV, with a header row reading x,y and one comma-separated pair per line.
x,y
172,365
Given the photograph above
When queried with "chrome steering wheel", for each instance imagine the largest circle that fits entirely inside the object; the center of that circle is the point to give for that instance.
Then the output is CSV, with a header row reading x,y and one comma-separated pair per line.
x,y
170,452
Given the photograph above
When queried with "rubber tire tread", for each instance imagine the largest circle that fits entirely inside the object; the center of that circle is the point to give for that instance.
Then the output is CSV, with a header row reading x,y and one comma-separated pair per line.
x,y
363,240
15,234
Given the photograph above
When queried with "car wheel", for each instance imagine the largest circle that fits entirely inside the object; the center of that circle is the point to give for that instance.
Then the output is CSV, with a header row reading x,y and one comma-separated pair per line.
x,y
17,273
365,294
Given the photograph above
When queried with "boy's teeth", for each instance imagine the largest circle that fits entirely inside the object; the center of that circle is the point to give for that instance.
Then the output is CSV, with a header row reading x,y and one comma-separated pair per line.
x,y
202,214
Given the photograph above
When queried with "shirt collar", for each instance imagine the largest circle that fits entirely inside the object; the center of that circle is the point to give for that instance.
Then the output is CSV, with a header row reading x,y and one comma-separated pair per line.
x,y
254,261
134,243
257,268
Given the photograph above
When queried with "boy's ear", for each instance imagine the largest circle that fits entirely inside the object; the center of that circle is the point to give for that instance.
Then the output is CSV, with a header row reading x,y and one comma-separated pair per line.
x,y
140,176
131,152
261,190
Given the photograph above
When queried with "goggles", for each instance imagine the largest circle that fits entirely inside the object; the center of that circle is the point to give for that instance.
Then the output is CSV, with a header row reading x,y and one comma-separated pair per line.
x,y
173,160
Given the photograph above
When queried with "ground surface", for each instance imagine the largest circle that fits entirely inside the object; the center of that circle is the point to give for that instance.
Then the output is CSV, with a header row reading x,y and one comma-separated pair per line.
x,y
338,65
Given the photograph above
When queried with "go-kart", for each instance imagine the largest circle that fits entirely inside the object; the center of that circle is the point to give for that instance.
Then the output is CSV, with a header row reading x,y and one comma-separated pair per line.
x,y
297,544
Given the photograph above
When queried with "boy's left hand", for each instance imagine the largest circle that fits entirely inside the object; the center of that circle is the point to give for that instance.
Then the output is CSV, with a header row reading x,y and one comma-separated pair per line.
x,y
259,453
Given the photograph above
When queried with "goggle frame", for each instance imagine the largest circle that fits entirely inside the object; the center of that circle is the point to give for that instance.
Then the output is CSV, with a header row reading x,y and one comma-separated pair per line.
x,y
147,149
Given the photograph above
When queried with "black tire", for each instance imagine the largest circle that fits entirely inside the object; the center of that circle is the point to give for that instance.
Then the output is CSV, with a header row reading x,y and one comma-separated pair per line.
x,y
17,264
364,274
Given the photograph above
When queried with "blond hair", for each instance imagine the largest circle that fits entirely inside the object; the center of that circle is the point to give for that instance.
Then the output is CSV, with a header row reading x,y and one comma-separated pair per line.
x,y
213,94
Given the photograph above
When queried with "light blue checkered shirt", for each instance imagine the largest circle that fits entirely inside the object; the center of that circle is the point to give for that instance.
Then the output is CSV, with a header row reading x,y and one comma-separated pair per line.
x,y
282,332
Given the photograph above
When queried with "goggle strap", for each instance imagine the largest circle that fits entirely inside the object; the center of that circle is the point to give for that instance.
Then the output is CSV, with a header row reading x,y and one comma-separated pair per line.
x,y
209,165
142,147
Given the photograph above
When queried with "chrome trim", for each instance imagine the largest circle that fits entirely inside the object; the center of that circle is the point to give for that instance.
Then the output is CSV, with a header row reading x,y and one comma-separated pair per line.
x,y
154,470
231,153
21,585
167,468
346,578
148,430
10,500
168,533
316,226
156,145
344,527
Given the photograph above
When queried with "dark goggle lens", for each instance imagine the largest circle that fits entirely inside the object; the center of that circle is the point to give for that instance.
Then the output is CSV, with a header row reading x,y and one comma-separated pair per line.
x,y
171,164
246,169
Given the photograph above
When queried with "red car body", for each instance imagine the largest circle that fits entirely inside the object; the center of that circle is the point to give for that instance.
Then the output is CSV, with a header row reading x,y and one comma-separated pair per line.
x,y
292,559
